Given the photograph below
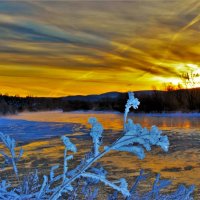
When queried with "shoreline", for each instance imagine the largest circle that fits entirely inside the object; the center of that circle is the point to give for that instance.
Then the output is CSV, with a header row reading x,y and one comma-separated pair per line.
x,y
153,114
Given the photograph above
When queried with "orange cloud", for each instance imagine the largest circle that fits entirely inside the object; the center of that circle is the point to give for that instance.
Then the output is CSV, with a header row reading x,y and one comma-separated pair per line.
x,y
66,48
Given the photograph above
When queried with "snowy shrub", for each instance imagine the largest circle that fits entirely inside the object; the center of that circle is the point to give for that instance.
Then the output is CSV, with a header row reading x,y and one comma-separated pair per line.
x,y
83,181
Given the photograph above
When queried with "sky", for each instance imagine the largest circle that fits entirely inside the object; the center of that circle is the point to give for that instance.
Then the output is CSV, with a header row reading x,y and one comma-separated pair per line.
x,y
60,48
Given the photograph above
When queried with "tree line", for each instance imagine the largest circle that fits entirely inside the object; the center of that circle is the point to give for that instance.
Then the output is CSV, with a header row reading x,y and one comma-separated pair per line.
x,y
171,100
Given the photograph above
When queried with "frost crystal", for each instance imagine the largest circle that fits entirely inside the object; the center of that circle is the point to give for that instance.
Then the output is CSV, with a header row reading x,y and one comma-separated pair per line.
x,y
132,102
96,134
68,144
10,144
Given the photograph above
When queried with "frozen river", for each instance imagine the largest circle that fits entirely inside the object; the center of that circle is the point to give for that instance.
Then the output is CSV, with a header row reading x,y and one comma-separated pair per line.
x,y
39,134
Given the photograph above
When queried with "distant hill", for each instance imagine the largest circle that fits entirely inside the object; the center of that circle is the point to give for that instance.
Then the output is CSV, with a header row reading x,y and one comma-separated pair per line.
x,y
108,95
94,97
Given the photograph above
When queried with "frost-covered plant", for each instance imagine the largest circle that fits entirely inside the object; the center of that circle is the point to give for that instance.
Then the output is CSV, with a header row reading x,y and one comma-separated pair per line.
x,y
12,158
96,134
131,102
84,179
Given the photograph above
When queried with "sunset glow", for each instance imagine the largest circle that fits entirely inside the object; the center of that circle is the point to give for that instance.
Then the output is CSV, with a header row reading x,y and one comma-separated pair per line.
x,y
60,48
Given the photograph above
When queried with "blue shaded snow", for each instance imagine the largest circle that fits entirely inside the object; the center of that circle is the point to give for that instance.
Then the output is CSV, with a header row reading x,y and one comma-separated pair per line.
x,y
27,131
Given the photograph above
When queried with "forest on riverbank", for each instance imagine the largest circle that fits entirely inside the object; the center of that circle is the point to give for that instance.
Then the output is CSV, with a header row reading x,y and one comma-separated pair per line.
x,y
181,100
